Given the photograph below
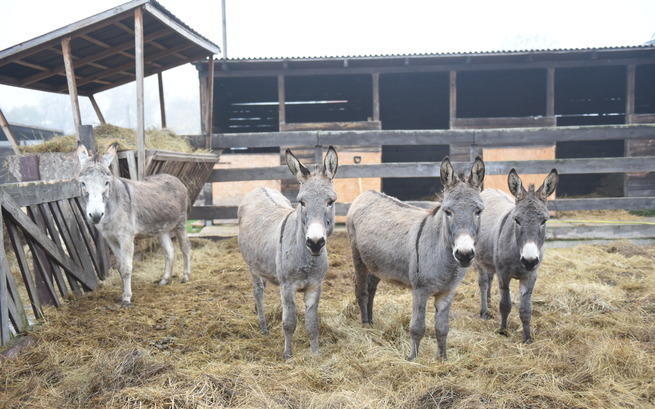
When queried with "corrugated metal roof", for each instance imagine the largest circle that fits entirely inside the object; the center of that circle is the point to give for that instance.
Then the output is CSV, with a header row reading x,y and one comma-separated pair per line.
x,y
442,54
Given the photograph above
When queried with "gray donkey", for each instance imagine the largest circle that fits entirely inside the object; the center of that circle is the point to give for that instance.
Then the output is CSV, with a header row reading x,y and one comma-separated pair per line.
x,y
510,244
426,251
286,246
123,209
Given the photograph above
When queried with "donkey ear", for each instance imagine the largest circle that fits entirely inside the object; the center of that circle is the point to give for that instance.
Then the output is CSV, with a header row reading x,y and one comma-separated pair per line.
x,y
298,169
447,174
477,173
330,163
549,185
82,154
515,185
109,155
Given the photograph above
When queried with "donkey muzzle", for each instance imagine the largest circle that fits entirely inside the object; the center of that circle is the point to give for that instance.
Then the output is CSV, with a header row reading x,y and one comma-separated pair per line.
x,y
315,245
95,217
530,256
464,250
529,263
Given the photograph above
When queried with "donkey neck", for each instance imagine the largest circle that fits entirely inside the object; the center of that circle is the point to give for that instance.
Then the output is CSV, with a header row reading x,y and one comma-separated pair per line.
x,y
435,231
119,199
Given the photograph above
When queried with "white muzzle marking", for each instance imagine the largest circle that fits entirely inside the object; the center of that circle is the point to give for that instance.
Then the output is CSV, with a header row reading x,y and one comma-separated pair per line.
x,y
315,232
464,243
530,251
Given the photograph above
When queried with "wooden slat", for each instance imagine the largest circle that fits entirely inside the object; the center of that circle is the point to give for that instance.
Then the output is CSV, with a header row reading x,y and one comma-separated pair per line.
x,y
281,101
503,122
33,231
331,126
44,286
550,91
482,137
36,214
630,92
16,308
8,133
29,193
88,241
71,246
28,278
131,165
375,89
57,235
4,292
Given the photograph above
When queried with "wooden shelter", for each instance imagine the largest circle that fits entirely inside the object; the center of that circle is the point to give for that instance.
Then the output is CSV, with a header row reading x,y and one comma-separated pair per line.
x,y
112,48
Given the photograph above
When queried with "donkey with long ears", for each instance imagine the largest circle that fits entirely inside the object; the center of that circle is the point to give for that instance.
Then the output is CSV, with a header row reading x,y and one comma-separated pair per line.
x,y
510,244
123,209
286,246
425,251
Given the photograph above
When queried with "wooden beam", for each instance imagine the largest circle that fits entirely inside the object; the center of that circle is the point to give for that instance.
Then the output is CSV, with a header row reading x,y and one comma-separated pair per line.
x,y
281,98
550,91
140,111
96,108
30,193
375,79
210,102
630,92
162,104
453,99
72,85
4,293
91,59
8,133
31,65
202,96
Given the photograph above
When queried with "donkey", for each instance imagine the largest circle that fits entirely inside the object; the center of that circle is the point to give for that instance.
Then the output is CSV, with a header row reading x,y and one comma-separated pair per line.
x,y
123,209
286,246
426,251
510,244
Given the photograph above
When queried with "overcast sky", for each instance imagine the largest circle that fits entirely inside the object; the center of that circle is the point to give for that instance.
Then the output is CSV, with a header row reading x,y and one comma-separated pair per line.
x,y
259,28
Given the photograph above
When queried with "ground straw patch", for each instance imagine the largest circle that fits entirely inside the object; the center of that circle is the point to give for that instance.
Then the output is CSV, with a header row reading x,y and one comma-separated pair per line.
x,y
197,345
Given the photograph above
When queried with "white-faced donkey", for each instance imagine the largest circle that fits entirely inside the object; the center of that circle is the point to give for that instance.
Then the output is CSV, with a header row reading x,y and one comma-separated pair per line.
x,y
425,251
123,209
510,244
286,246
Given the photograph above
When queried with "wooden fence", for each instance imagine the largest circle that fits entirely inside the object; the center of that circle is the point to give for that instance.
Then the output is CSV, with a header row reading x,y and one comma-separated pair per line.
x,y
56,251
468,140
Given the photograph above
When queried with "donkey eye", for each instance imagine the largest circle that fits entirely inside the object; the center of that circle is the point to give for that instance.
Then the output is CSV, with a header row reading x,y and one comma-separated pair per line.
x,y
302,203
543,223
106,183
478,212
448,212
517,221
330,203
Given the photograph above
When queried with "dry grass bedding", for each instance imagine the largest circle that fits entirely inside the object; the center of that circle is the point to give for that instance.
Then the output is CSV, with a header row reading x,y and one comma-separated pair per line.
x,y
197,345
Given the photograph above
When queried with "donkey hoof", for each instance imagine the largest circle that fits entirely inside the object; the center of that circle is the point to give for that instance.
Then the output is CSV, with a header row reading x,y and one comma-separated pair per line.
x,y
527,340
503,332
410,357
263,329
163,282
184,280
126,304
485,315
287,356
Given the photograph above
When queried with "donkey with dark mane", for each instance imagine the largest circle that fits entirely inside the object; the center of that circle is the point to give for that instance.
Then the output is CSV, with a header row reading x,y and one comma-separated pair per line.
x,y
511,240
122,209
285,246
425,251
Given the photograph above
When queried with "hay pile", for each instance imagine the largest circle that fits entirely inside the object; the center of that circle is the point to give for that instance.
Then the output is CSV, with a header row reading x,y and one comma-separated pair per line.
x,y
198,345
163,139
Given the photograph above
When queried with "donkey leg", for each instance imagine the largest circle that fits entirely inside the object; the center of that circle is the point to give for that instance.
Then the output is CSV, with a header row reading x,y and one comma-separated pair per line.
x,y
525,310
169,252
312,297
417,324
124,258
288,294
362,278
484,282
505,303
185,246
442,310
372,289
258,285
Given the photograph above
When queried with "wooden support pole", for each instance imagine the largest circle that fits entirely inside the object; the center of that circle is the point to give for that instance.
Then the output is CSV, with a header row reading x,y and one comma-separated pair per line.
x,y
550,91
96,108
202,94
210,102
140,113
376,95
224,20
162,105
72,83
453,98
630,93
282,114
10,136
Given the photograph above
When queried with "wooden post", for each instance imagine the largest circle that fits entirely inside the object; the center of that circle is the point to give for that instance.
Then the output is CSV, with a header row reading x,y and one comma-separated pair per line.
x,y
376,96
96,108
4,293
282,114
550,91
72,83
10,136
86,138
630,93
140,126
210,102
224,20
162,105
453,98
202,88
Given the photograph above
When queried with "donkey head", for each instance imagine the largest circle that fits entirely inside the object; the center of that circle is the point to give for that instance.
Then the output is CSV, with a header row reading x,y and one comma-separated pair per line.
x,y
95,181
316,198
530,216
461,207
